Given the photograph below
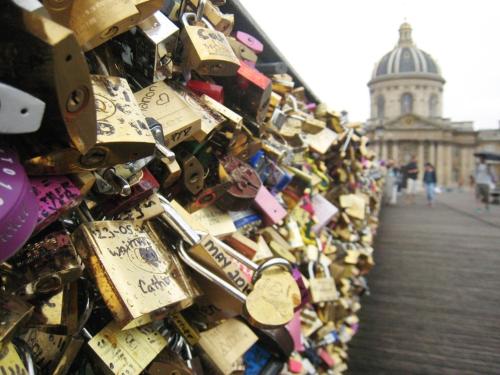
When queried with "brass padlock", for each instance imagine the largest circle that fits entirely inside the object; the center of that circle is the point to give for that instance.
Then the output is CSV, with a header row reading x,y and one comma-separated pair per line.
x,y
12,363
94,21
163,103
207,51
220,21
45,265
225,343
60,76
14,314
210,119
137,276
323,289
126,351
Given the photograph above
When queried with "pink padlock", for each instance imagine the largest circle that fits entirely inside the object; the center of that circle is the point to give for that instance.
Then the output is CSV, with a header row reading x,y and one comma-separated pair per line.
x,y
326,357
18,207
294,365
268,204
55,195
251,42
293,327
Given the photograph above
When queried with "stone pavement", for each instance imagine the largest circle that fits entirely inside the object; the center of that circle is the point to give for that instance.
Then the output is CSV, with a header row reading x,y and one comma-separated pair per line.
x,y
434,306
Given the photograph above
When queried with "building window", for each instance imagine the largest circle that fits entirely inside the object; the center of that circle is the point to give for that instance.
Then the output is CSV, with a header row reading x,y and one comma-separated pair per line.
x,y
406,103
380,107
433,105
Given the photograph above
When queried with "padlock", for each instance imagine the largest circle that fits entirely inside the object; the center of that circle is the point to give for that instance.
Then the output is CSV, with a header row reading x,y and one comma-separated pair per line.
x,y
138,278
250,91
241,51
94,22
54,352
206,51
15,314
20,112
60,78
18,204
246,184
225,343
250,41
322,289
210,120
218,107
45,265
129,351
164,104
147,51
220,21
12,363
264,306
58,313
216,92
55,195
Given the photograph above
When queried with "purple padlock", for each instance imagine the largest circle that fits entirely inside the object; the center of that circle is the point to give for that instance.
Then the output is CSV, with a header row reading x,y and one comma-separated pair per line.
x,y
250,41
54,195
18,206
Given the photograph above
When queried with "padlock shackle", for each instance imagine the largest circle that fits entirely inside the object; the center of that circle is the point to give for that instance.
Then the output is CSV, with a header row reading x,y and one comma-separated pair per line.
x,y
235,292
172,217
186,16
201,10
273,262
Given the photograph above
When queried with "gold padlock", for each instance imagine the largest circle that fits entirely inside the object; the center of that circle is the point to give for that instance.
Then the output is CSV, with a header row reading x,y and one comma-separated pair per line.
x,y
220,21
323,289
138,277
225,343
94,21
60,76
163,103
207,51
126,352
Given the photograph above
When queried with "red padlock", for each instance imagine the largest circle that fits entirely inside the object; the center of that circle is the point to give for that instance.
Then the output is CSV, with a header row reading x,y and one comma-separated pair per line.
x,y
216,92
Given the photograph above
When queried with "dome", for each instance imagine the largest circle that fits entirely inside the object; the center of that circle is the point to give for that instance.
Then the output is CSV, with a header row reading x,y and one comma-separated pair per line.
x,y
406,59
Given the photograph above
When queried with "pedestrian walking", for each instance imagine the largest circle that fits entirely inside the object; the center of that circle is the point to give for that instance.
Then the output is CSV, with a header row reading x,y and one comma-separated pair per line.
x,y
411,179
483,178
430,182
391,183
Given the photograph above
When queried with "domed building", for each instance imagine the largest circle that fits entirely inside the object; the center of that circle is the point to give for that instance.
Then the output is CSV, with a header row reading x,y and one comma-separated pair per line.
x,y
406,94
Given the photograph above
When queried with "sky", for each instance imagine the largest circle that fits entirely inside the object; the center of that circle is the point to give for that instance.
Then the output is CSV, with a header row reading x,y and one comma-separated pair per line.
x,y
334,46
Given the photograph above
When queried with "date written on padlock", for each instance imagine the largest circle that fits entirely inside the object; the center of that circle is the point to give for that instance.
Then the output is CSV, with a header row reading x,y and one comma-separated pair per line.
x,y
135,273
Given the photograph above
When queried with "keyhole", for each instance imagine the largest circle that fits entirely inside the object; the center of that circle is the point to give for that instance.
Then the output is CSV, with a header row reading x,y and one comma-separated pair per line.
x,y
109,32
76,100
94,157
194,178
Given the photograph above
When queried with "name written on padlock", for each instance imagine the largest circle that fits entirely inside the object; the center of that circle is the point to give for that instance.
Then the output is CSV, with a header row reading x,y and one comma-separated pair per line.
x,y
224,263
164,104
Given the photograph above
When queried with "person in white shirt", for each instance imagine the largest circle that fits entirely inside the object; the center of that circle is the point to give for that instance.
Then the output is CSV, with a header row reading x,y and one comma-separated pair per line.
x,y
484,179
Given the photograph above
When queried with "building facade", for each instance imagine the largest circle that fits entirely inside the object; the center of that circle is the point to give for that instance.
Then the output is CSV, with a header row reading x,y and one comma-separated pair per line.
x,y
406,117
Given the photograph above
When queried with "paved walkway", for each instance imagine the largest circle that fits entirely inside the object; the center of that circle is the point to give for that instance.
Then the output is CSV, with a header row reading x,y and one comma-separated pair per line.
x,y
435,292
